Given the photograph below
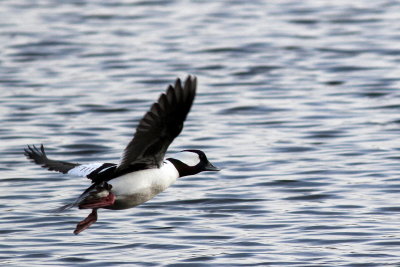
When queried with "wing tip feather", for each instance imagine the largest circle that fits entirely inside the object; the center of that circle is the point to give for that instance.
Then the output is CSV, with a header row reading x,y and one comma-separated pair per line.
x,y
33,153
168,114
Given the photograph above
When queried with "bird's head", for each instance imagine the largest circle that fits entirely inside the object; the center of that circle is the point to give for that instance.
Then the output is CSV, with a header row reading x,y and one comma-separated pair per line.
x,y
191,161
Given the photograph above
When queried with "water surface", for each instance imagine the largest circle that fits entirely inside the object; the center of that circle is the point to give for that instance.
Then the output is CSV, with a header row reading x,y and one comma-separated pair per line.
x,y
298,102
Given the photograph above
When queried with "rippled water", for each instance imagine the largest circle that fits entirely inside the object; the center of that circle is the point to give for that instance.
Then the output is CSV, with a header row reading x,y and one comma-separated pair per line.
x,y
298,103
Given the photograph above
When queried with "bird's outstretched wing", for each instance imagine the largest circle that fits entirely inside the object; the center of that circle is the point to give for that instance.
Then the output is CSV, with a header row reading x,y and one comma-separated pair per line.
x,y
93,171
40,158
159,127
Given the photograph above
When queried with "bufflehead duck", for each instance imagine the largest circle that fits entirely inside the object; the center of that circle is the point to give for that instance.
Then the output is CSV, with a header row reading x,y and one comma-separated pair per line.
x,y
142,172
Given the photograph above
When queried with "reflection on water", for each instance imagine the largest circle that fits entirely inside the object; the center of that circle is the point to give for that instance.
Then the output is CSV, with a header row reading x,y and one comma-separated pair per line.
x,y
297,102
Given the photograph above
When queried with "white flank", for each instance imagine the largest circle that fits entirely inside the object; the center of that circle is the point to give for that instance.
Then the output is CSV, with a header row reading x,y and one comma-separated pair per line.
x,y
84,170
149,182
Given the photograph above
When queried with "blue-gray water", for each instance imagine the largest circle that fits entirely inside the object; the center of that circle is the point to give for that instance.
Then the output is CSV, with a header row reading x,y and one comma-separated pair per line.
x,y
298,102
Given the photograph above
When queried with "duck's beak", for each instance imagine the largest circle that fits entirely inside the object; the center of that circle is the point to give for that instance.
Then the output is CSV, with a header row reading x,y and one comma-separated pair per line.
x,y
210,167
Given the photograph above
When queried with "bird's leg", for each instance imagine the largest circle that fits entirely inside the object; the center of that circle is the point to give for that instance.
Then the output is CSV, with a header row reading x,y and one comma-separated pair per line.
x,y
101,198
87,222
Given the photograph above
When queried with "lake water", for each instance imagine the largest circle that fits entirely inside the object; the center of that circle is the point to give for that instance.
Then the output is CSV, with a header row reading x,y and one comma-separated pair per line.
x,y
298,102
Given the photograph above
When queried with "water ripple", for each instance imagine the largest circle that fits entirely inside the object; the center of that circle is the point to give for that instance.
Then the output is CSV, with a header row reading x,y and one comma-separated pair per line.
x,y
297,103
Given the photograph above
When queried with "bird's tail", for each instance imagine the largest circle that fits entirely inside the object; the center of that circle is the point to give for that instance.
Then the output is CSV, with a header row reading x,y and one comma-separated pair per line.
x,y
64,207
76,202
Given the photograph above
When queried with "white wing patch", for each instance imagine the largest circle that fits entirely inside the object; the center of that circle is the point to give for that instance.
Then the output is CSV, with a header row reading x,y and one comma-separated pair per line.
x,y
106,169
84,170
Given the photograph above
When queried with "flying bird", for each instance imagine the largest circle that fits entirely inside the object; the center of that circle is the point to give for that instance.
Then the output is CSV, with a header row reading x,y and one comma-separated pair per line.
x,y
143,172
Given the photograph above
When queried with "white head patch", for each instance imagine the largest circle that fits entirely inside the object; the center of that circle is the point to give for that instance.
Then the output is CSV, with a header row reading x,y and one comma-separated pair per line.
x,y
187,157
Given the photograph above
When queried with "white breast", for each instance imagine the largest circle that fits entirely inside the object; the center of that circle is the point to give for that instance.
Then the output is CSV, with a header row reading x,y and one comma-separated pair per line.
x,y
146,182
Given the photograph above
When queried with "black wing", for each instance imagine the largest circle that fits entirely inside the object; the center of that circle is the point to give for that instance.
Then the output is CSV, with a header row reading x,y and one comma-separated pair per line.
x,y
159,127
97,172
40,158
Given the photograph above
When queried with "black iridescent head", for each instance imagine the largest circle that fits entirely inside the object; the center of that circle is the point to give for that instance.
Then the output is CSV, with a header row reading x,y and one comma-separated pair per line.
x,y
192,161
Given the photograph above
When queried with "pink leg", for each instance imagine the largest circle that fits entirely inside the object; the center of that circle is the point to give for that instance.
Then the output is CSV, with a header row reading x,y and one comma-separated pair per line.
x,y
97,202
87,222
